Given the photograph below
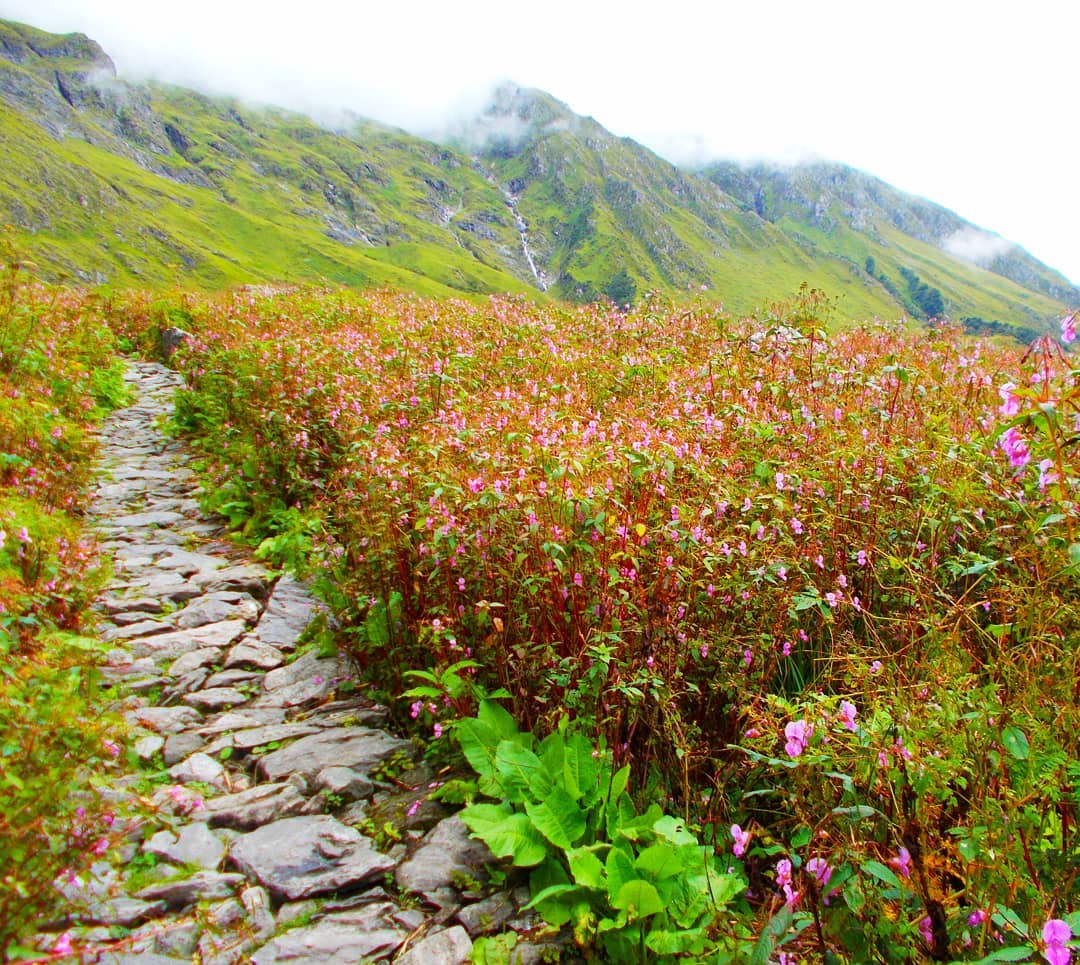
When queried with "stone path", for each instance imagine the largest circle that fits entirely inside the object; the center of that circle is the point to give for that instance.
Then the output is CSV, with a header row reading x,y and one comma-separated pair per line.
x,y
249,835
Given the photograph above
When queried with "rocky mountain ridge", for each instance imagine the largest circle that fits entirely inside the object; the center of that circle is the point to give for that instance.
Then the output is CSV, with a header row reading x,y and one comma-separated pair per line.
x,y
146,184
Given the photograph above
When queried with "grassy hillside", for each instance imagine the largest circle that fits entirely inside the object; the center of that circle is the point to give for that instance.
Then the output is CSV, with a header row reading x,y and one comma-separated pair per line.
x,y
108,182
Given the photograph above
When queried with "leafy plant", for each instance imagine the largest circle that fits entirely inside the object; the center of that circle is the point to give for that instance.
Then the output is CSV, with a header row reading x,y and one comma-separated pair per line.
x,y
638,884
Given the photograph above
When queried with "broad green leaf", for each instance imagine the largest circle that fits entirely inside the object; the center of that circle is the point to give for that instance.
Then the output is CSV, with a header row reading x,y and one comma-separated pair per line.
x,y
521,772
802,837
674,830
1014,953
481,818
586,868
498,719
659,861
639,899
516,838
857,812
882,872
557,818
1016,743
478,743
620,870
581,770
686,941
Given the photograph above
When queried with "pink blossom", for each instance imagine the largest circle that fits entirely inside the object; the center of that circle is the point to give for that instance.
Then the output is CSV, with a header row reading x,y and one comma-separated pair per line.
x,y
23,536
902,862
437,731
977,917
847,714
926,929
741,838
1055,934
1068,331
1015,446
1010,401
820,870
63,945
798,734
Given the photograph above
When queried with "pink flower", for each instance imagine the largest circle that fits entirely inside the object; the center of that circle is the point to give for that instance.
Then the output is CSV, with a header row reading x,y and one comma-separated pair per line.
x,y
1046,474
101,847
1010,401
63,945
926,929
1068,331
23,536
847,714
1015,447
798,734
741,838
783,880
902,862
875,667
820,870
437,731
796,526
977,917
1055,934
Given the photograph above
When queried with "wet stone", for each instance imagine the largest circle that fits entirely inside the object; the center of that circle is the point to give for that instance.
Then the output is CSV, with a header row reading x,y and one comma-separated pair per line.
x,y
304,856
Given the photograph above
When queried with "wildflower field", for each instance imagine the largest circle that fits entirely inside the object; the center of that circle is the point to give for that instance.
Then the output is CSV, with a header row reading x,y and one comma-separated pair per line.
x,y
815,593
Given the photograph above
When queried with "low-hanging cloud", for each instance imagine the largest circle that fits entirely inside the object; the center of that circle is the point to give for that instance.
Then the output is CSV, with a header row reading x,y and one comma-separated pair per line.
x,y
979,247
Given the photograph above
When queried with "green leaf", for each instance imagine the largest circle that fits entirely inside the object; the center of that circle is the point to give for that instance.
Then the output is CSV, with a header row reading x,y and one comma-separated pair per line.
x,y
557,818
482,818
1016,743
802,836
478,741
586,868
659,861
638,899
498,719
515,838
687,941
620,870
1014,953
521,772
581,770
882,872
857,812
674,830
770,936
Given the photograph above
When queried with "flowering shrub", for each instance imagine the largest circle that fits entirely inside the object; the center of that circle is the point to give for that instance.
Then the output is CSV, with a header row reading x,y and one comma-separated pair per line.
x,y
57,371
823,585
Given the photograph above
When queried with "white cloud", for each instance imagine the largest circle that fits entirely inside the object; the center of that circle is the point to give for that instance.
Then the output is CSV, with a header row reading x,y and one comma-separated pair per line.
x,y
976,246
963,103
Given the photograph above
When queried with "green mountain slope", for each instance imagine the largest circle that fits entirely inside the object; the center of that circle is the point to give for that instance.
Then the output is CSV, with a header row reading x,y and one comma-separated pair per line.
x,y
856,216
110,182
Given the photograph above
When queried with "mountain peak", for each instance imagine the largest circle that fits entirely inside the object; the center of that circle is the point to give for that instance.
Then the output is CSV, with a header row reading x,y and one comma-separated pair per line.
x,y
25,45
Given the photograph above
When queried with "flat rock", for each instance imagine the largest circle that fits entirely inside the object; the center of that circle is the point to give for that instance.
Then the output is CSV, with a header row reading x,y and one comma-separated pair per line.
x,y
341,938
187,563
165,720
445,852
198,767
200,886
177,642
290,608
230,678
241,719
194,659
253,653
304,856
218,698
147,747
344,782
217,607
450,947
356,747
246,577
194,844
254,807
259,736
141,628
144,520
488,915
307,666
179,746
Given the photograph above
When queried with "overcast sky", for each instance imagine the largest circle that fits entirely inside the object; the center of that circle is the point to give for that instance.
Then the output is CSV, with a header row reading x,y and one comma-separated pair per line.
x,y
971,104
